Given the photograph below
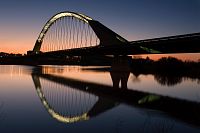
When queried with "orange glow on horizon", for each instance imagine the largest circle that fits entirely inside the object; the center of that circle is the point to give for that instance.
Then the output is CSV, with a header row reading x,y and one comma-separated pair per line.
x,y
17,39
21,50
184,56
16,47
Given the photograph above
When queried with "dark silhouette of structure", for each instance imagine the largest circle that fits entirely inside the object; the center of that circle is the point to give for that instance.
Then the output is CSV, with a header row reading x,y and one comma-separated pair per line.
x,y
120,71
68,37
105,97
85,36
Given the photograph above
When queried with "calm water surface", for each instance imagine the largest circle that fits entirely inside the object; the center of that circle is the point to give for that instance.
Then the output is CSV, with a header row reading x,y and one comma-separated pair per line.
x,y
96,99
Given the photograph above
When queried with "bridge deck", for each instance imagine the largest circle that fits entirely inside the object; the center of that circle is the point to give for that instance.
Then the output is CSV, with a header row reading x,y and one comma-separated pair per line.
x,y
189,43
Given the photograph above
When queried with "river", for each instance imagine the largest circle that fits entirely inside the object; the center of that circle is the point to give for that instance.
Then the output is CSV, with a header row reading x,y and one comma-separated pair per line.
x,y
96,99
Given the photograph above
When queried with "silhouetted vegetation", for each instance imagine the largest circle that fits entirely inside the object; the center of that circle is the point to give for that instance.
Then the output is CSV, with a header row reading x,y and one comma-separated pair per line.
x,y
167,70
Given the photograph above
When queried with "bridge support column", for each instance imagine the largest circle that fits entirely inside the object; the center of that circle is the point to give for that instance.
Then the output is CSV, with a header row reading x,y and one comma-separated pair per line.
x,y
36,49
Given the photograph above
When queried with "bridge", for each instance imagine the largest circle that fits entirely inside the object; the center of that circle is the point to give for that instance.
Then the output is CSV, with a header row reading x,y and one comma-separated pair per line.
x,y
75,34
72,100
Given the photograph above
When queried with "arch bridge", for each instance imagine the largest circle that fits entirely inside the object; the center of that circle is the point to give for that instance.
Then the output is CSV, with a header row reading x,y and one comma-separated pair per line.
x,y
71,33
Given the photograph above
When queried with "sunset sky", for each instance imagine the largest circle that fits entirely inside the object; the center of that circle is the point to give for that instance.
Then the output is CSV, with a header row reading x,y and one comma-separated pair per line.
x,y
22,20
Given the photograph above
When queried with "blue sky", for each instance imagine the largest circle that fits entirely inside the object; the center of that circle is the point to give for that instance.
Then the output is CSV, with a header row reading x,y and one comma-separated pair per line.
x,y
22,20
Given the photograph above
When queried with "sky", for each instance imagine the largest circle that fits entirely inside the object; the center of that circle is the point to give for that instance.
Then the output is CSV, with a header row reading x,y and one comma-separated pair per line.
x,y
21,21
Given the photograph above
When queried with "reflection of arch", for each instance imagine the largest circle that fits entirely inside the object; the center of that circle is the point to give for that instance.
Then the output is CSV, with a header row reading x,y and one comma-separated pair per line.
x,y
176,108
100,106
54,114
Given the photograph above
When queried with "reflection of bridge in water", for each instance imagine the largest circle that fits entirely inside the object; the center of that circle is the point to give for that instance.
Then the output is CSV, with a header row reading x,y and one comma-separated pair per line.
x,y
70,100
73,102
